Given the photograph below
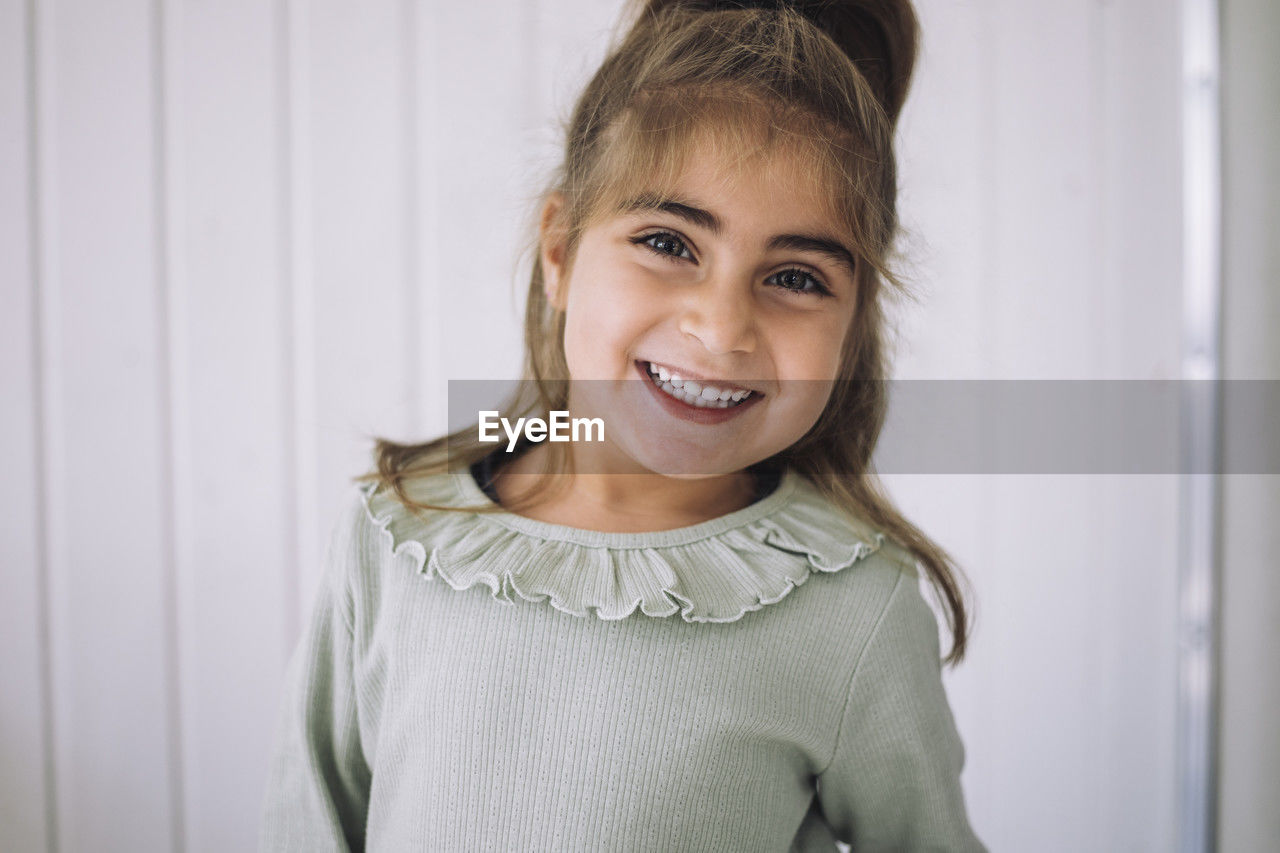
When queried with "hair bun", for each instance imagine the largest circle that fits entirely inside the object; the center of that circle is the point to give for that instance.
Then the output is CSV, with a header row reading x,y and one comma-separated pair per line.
x,y
881,37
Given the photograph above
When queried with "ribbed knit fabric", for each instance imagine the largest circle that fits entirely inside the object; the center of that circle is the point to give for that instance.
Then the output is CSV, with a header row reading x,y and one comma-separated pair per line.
x,y
768,680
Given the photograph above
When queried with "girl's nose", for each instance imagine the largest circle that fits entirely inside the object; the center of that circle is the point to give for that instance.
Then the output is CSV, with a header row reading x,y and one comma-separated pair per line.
x,y
720,315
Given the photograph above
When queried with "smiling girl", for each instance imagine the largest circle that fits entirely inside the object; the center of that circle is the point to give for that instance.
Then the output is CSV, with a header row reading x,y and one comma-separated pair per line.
x,y
706,631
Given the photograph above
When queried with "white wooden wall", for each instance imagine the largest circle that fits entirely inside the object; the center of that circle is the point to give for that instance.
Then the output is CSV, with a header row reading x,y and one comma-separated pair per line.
x,y
241,237
1042,181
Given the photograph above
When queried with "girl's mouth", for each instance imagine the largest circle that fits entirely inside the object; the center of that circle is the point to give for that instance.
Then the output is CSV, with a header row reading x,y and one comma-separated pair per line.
x,y
695,401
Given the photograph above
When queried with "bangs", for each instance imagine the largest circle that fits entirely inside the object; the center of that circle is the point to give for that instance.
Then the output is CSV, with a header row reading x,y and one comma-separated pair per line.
x,y
648,147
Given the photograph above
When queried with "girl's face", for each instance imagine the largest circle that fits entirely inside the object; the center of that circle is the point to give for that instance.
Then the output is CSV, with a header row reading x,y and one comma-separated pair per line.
x,y
732,277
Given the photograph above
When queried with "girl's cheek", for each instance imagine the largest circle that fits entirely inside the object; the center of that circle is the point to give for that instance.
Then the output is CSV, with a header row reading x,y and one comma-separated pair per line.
x,y
637,289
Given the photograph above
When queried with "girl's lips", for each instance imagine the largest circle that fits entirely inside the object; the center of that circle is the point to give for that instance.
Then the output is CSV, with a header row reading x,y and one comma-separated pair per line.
x,y
684,411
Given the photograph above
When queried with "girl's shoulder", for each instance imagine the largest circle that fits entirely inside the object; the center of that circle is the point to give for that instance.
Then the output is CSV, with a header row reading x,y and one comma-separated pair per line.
x,y
715,571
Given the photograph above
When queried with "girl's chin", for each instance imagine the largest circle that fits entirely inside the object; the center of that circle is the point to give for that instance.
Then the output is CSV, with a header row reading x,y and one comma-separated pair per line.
x,y
675,458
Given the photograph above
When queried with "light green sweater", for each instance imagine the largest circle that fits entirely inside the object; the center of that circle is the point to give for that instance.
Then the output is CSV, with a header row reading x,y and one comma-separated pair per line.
x,y
768,680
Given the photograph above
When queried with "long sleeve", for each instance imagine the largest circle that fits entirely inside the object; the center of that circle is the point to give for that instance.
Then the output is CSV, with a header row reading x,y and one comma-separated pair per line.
x,y
318,783
893,782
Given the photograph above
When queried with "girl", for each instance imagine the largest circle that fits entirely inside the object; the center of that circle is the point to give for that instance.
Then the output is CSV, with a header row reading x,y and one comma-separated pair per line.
x,y
713,636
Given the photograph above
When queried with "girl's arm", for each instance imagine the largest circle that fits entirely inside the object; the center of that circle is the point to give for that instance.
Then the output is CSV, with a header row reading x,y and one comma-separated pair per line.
x,y
894,780
318,784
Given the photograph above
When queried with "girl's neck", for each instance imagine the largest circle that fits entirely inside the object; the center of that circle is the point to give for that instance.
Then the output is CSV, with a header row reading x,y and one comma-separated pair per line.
x,y
624,503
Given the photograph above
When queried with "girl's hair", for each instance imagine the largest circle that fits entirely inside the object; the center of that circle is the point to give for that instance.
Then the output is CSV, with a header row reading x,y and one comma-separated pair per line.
x,y
823,80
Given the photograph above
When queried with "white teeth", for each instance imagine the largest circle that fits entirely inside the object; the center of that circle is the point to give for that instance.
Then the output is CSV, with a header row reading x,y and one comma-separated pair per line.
x,y
699,402
695,393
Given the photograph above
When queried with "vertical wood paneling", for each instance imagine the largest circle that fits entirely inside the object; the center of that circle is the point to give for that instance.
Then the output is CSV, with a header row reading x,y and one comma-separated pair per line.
x,y
1140,187
1044,140
1041,187
102,309
944,200
298,301
1133,612
233,438
1073,554
1138,281
945,207
481,134
356,135
25,783
1039,214
569,40
415,331
494,82
429,418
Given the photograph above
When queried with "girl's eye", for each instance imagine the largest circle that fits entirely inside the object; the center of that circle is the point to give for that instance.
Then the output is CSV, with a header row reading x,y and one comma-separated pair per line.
x,y
665,244
794,280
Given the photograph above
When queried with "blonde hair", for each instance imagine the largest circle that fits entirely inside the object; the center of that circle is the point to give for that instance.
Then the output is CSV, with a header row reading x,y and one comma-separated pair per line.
x,y
824,80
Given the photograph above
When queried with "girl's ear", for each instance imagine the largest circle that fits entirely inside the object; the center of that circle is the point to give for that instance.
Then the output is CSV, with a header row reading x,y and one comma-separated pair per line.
x,y
552,248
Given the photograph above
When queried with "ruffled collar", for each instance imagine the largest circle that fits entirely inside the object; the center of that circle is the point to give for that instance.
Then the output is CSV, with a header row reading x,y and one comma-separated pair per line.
x,y
715,571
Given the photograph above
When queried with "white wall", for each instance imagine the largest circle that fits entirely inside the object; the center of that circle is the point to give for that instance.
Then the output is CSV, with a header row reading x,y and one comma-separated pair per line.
x,y
241,237
1041,184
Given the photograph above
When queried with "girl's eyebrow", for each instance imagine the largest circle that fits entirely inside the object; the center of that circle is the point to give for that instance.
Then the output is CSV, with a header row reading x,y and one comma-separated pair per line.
x,y
832,249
